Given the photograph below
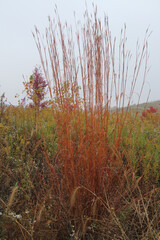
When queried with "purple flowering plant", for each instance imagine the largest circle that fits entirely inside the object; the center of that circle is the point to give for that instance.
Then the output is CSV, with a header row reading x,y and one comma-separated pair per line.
x,y
36,89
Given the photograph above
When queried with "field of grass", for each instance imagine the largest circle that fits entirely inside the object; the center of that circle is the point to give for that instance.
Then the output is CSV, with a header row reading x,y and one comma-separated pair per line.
x,y
76,169
93,179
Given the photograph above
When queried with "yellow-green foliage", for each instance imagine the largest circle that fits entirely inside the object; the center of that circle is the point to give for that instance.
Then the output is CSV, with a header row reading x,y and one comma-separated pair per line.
x,y
3,135
142,146
3,130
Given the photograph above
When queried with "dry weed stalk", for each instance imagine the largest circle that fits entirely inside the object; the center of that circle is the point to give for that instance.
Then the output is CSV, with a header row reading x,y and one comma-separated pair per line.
x,y
11,198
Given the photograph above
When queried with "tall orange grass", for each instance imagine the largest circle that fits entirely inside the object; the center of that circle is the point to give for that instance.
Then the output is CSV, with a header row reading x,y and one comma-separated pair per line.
x,y
88,157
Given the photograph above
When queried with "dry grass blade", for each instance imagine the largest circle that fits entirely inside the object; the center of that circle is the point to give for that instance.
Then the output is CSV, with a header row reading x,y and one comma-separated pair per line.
x,y
116,219
95,206
40,213
73,197
145,211
3,202
22,227
157,236
11,198
84,226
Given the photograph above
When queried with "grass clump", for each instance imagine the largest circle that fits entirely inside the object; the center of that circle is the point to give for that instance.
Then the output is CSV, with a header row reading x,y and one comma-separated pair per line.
x,y
86,171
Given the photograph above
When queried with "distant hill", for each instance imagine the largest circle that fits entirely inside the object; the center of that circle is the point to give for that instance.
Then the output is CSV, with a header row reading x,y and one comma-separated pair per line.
x,y
142,106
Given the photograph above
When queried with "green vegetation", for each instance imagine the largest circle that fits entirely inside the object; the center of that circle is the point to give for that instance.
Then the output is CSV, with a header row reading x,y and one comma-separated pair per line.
x,y
84,171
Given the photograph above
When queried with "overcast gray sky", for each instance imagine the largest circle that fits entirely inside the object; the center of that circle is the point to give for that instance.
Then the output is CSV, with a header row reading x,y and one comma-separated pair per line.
x,y
19,55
